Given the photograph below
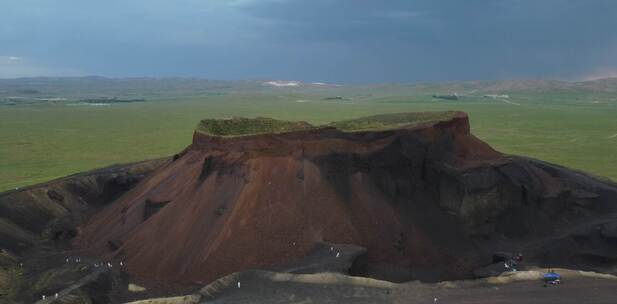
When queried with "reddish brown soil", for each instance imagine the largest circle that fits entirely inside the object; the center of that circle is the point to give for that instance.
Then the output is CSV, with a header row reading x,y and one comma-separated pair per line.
x,y
229,204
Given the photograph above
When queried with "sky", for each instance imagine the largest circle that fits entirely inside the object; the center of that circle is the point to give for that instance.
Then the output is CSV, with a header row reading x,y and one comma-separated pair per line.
x,y
336,41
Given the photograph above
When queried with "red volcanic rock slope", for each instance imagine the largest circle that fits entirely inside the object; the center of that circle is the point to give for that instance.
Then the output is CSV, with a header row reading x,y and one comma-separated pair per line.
x,y
228,204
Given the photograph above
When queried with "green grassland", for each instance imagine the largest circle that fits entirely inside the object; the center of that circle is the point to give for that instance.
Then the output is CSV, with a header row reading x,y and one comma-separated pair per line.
x,y
45,140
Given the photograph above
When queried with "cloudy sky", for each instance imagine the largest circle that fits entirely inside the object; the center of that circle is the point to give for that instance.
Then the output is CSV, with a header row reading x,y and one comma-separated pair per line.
x,y
343,41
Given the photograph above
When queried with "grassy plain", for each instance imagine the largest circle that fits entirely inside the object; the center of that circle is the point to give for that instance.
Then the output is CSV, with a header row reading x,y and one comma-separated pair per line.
x,y
42,141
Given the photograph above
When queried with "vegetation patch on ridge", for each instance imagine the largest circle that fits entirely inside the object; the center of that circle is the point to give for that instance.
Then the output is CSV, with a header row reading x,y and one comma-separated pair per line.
x,y
239,126
391,121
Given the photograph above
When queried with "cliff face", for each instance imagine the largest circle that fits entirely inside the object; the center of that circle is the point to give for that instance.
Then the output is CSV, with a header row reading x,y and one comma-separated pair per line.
x,y
428,202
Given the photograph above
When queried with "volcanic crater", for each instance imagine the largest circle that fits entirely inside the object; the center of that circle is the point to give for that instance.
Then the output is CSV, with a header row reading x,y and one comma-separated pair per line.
x,y
427,200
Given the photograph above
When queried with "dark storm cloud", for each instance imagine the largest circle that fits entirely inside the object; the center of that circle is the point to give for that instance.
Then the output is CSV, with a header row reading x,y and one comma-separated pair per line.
x,y
319,40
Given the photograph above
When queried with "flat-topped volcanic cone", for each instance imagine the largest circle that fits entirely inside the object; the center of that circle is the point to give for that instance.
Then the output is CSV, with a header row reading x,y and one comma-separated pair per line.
x,y
424,199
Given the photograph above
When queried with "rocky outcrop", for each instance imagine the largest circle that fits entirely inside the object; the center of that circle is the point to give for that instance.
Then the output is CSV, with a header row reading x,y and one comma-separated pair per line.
x,y
52,210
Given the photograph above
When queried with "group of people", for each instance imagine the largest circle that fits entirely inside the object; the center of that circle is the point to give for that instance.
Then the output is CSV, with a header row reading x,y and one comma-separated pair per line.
x,y
338,253
109,265
77,260
96,265
512,263
550,277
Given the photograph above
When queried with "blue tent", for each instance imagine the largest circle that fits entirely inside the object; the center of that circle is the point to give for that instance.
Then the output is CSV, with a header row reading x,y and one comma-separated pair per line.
x,y
551,276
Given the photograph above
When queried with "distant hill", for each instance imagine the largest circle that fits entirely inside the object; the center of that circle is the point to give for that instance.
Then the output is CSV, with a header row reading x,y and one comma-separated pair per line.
x,y
607,85
79,88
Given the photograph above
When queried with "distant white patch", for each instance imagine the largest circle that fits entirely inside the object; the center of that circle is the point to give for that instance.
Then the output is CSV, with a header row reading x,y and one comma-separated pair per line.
x,y
600,74
14,58
88,104
53,99
496,96
613,136
323,84
509,102
282,83
301,100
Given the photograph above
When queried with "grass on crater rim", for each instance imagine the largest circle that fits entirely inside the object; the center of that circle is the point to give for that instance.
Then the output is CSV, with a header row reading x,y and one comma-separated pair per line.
x,y
391,121
241,126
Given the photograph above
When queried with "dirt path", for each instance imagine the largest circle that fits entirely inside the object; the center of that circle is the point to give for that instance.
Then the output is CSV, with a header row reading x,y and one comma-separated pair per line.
x,y
509,102
574,291
327,288
86,279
